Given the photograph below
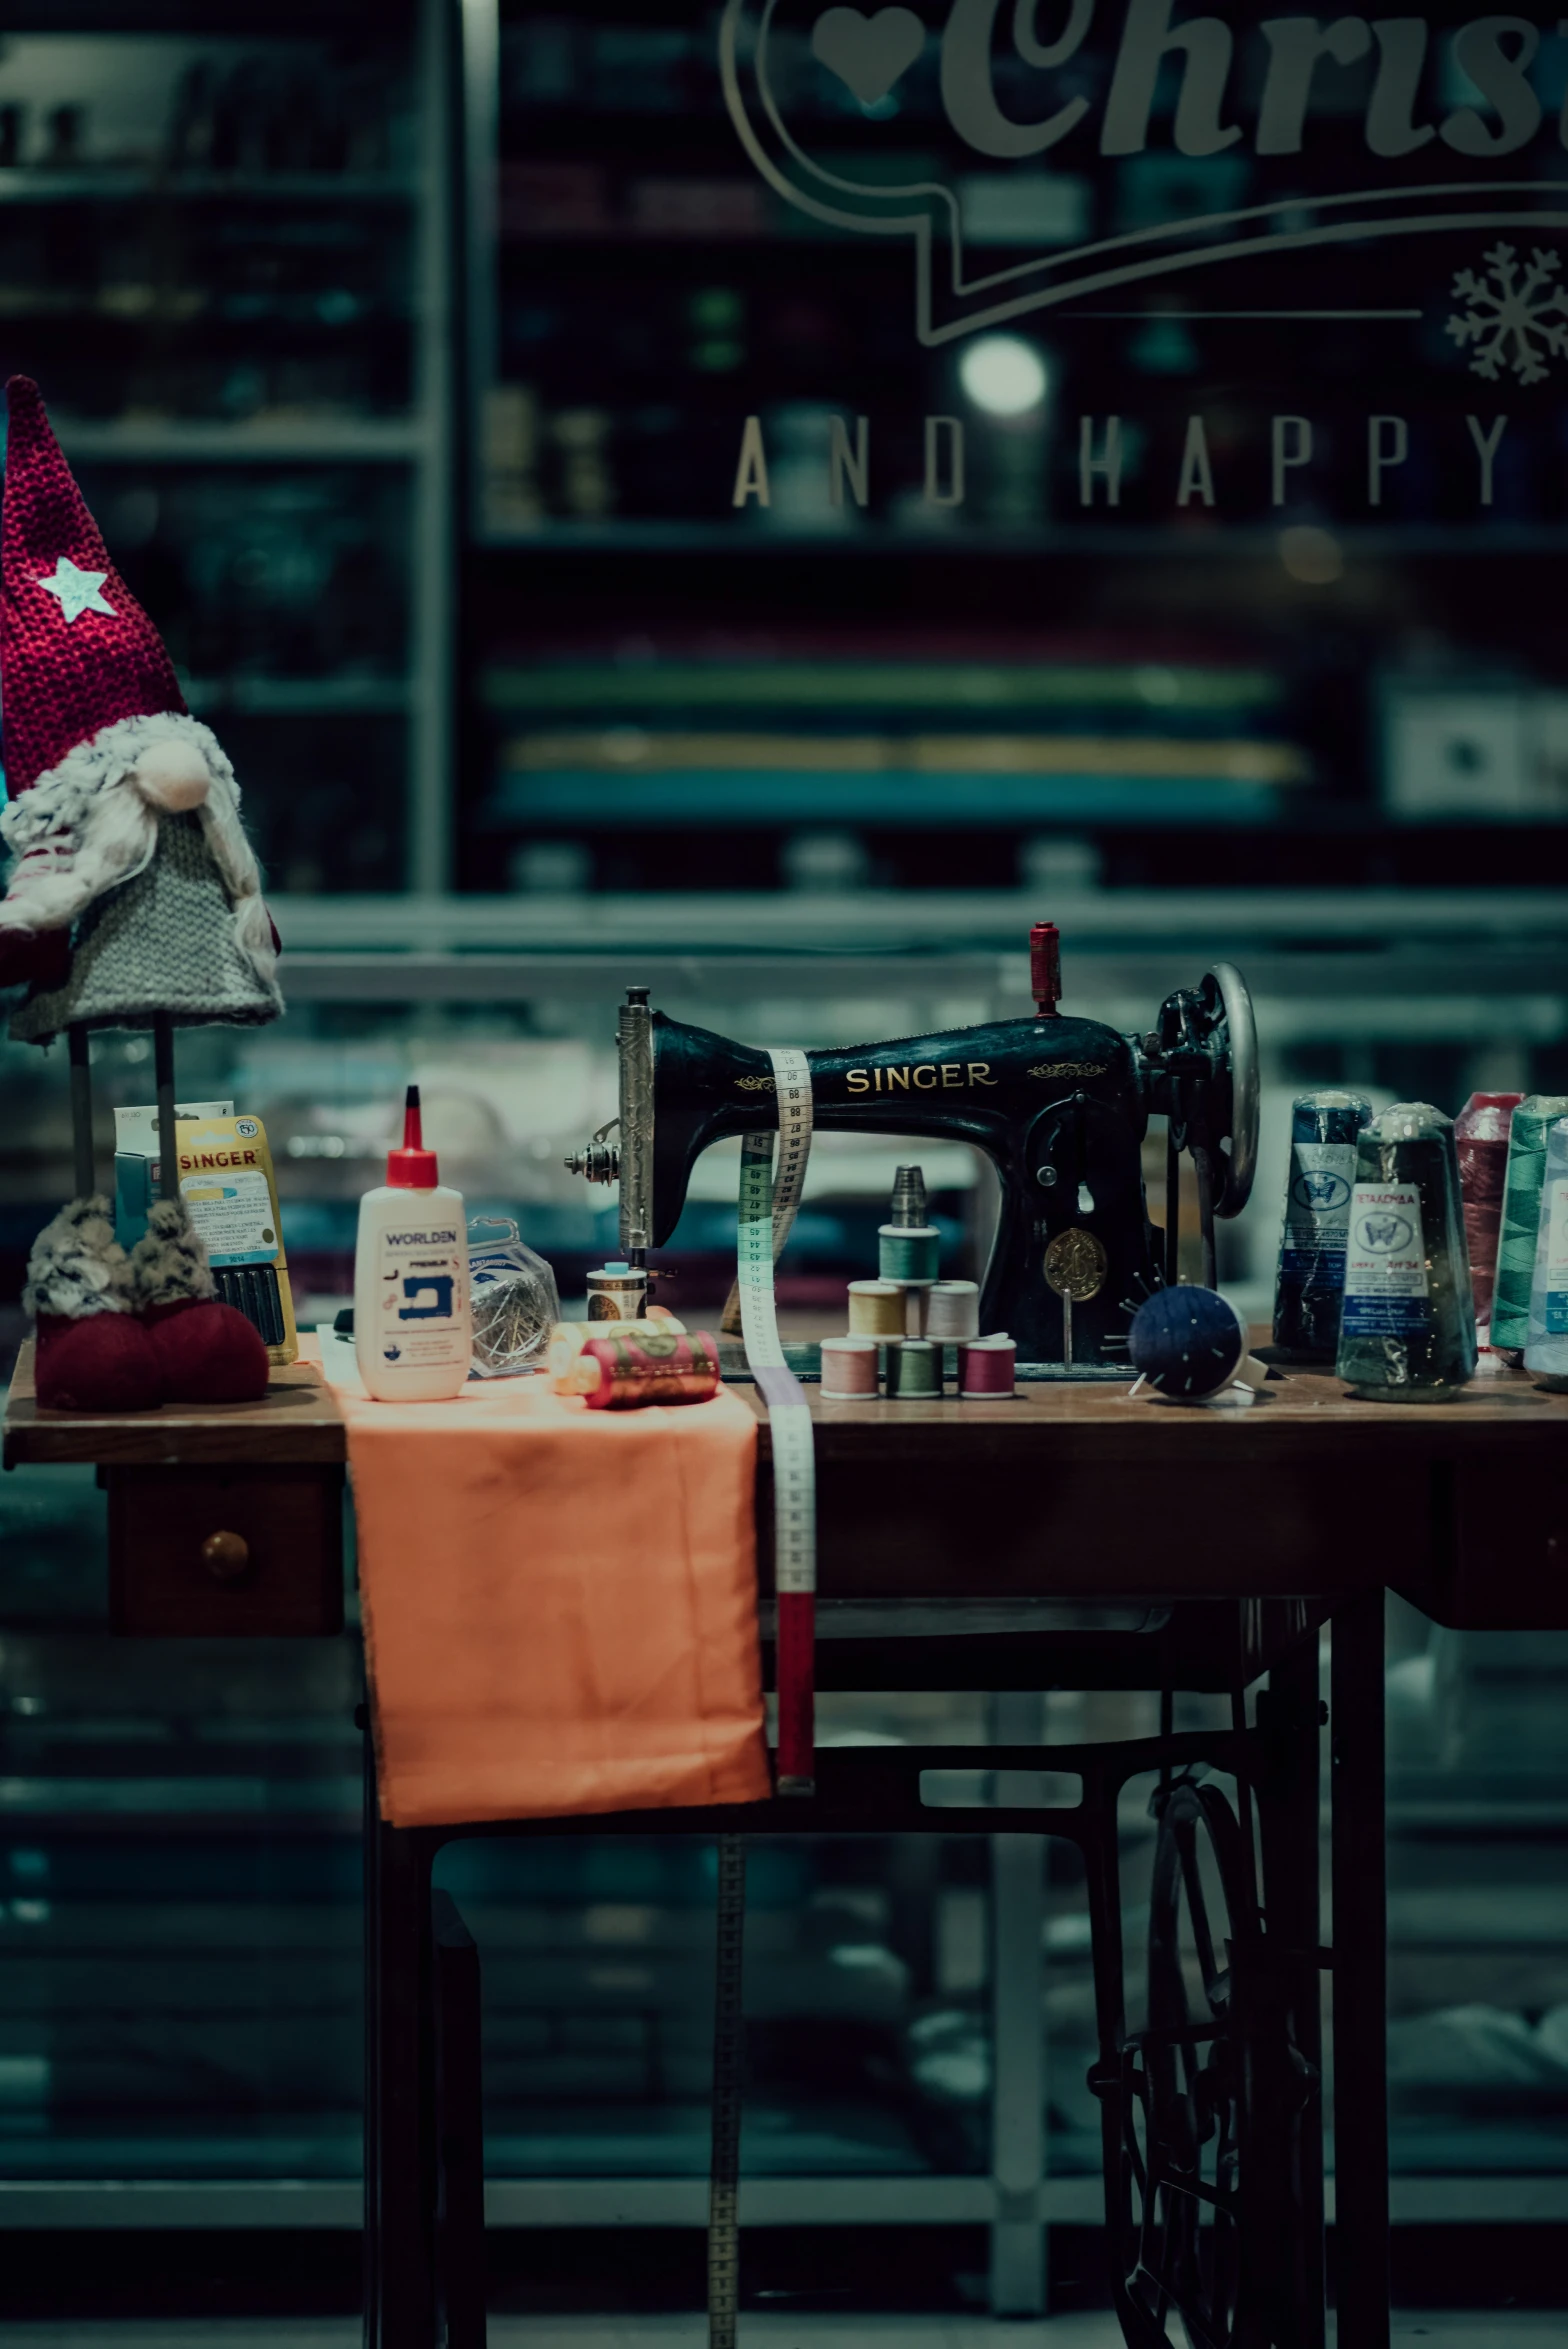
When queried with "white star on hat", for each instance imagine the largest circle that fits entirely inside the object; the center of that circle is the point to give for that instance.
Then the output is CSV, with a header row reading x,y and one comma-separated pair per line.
x,y
79,591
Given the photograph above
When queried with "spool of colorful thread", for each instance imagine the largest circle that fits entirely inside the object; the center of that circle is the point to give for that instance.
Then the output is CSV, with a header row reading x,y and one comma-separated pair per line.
x,y
986,1367
628,1372
1407,1332
952,1312
849,1366
1510,1328
1546,1350
914,1371
1481,1140
876,1310
1311,1280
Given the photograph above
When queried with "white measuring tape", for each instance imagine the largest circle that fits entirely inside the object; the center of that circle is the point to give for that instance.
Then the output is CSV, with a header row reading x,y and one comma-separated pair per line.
x,y
768,1200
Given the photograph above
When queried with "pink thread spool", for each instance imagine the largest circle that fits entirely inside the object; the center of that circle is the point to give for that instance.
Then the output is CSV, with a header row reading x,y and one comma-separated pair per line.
x,y
849,1366
986,1367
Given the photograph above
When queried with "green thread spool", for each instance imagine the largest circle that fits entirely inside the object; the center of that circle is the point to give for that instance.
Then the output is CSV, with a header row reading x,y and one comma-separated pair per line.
x,y
1522,1216
1407,1331
914,1371
905,1254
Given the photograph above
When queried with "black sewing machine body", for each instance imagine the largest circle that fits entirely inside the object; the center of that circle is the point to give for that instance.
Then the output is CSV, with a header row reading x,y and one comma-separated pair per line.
x,y
1060,1106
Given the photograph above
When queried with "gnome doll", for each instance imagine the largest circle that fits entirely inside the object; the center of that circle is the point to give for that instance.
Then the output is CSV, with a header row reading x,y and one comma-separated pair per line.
x,y
134,900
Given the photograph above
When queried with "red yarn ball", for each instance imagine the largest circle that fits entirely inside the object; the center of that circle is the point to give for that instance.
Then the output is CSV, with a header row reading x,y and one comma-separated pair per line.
x,y
104,1362
209,1353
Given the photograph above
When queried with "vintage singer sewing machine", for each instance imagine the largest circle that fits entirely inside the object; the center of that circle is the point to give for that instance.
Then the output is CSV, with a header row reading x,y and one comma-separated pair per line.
x,y
1060,1105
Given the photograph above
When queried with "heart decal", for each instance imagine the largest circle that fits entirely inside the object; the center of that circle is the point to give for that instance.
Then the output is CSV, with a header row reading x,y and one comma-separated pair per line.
x,y
868,53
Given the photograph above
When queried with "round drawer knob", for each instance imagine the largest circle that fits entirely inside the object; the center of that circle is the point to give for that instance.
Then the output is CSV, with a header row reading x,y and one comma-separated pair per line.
x,y
225,1556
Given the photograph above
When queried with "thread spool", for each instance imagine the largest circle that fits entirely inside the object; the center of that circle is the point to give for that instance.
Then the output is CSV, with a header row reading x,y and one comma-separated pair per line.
x,y
849,1366
876,1310
1510,1325
1407,1332
986,1366
1546,1350
568,1338
1311,1274
1481,1140
914,1371
952,1312
908,1252
617,1293
620,1374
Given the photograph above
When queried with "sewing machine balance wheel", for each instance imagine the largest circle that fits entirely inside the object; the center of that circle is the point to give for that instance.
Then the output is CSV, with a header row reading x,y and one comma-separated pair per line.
x,y
1223,993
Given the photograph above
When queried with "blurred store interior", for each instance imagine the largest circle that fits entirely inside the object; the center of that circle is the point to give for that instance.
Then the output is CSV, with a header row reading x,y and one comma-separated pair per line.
x,y
404,355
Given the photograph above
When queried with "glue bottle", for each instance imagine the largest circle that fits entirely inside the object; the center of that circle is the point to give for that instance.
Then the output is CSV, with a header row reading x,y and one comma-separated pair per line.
x,y
412,1325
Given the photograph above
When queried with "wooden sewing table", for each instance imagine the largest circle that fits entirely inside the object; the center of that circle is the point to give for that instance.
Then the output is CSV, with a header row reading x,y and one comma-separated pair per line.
x,y
1067,1537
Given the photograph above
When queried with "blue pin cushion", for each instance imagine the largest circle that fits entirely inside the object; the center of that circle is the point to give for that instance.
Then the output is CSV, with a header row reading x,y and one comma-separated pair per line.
x,y
1187,1342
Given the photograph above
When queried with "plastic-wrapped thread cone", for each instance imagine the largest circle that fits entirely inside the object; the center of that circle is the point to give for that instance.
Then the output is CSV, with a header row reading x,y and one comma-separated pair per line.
x,y
1546,1349
1510,1325
1407,1331
1321,1176
1481,1139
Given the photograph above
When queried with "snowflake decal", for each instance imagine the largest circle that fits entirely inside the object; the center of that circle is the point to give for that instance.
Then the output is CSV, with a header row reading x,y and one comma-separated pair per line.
x,y
1515,317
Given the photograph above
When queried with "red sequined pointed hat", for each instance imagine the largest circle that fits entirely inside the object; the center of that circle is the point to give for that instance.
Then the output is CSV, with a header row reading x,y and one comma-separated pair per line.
x,y
77,652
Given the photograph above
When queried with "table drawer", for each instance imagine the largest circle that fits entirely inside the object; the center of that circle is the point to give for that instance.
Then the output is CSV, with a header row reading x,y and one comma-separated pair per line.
x,y
205,1552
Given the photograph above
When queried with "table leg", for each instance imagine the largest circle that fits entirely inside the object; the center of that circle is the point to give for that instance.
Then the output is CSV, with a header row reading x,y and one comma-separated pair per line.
x,y
1360,1978
403,2097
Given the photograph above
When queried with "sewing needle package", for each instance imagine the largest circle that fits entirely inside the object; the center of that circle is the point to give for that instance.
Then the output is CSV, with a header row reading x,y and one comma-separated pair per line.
x,y
227,1183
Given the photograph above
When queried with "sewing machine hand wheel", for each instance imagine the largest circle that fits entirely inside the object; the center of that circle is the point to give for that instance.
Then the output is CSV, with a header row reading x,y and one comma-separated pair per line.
x,y
1209,1042
1223,995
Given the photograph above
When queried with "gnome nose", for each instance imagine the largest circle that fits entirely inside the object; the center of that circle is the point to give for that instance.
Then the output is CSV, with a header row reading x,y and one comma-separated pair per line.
x,y
171,775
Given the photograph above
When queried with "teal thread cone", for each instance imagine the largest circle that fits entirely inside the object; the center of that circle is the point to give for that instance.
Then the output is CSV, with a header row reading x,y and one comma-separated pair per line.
x,y
1521,1216
1546,1348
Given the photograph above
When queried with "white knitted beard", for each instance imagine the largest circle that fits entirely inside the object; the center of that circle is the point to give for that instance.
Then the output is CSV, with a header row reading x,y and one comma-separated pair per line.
x,y
91,800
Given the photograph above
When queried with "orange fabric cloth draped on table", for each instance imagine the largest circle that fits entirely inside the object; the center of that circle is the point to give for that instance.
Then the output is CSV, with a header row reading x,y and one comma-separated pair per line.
x,y
560,1605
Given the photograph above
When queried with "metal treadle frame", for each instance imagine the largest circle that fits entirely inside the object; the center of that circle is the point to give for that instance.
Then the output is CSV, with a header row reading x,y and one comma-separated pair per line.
x,y
1212,2131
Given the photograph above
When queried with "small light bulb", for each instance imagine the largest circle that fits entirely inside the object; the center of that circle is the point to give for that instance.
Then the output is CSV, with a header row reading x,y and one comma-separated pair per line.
x,y
1004,375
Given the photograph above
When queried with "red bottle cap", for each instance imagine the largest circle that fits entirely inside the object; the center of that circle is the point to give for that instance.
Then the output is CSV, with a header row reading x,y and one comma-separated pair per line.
x,y
1045,968
413,1168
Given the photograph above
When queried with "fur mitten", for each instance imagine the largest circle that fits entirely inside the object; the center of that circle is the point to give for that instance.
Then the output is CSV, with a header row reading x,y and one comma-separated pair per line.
x,y
92,1354
208,1352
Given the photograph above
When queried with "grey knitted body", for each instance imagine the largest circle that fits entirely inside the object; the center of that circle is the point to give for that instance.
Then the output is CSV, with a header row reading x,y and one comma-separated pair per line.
x,y
161,942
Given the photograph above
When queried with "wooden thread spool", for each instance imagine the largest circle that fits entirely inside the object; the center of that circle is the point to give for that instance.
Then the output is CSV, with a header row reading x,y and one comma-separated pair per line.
x,y
914,1371
849,1366
876,1310
986,1366
952,1311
